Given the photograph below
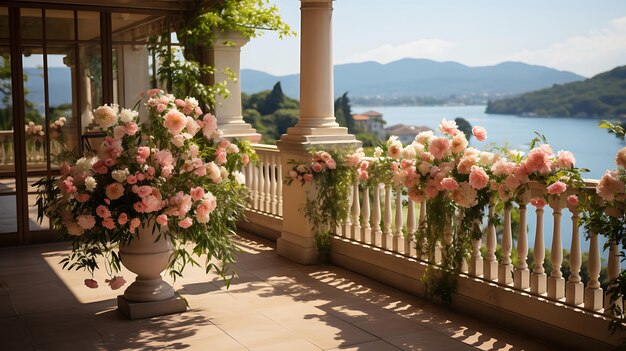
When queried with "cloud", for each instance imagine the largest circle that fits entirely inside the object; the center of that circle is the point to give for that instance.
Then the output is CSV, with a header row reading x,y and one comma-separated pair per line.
x,y
422,48
588,54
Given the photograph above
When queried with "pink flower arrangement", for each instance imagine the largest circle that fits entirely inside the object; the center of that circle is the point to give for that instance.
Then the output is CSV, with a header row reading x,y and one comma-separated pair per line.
x,y
141,174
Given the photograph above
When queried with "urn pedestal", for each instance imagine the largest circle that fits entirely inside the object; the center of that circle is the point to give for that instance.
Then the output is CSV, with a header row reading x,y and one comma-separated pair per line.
x,y
149,295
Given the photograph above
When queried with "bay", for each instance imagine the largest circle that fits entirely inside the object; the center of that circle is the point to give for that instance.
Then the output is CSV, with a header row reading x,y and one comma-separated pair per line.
x,y
594,148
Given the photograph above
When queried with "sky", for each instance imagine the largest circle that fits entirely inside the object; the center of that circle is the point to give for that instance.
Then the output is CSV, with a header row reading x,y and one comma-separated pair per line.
x,y
581,36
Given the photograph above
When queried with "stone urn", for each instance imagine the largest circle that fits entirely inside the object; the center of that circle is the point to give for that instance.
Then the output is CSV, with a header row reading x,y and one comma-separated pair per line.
x,y
149,295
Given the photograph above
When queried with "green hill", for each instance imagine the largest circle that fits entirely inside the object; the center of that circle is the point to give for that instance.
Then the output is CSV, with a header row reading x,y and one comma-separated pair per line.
x,y
601,96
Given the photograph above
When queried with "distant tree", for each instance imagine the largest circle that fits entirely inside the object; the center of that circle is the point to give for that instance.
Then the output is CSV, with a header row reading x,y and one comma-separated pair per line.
x,y
346,110
464,126
339,116
284,119
273,101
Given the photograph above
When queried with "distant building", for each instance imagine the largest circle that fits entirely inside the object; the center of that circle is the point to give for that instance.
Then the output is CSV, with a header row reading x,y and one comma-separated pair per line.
x,y
371,122
405,133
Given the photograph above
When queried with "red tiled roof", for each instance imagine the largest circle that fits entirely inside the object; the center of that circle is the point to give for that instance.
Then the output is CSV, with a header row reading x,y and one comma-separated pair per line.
x,y
372,113
360,117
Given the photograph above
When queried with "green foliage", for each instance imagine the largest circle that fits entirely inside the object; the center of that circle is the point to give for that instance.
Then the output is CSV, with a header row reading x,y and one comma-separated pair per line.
x,y
248,17
602,95
271,113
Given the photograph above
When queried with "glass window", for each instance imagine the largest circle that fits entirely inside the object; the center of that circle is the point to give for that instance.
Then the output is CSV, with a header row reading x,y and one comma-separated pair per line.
x,y
34,109
59,25
88,25
31,24
4,23
7,162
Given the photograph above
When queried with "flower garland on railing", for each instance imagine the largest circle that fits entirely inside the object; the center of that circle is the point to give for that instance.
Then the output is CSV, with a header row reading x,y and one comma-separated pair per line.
x,y
457,183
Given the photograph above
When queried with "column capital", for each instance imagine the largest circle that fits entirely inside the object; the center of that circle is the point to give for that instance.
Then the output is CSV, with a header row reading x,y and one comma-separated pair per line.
x,y
229,40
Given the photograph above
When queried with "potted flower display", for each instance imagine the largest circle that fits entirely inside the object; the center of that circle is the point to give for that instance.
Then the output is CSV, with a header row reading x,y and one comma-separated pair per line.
x,y
165,189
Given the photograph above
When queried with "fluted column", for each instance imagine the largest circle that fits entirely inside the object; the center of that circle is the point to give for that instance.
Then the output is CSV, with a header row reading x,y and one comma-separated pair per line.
x,y
226,54
316,127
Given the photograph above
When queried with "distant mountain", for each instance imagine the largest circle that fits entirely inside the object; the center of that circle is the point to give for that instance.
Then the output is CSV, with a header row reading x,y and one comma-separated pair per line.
x,y
422,78
601,96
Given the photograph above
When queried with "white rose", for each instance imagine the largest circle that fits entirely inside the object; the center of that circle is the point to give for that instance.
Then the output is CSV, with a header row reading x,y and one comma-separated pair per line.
x,y
239,177
120,175
90,183
128,115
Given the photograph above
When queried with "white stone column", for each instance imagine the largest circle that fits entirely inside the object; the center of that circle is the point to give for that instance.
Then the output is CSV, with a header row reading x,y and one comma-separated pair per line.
x,y
226,54
136,76
316,127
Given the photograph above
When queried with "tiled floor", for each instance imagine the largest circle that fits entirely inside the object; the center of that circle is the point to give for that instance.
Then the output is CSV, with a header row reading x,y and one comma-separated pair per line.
x,y
273,305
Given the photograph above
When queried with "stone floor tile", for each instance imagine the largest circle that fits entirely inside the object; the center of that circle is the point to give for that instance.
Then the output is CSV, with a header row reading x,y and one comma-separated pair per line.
x,y
378,345
425,340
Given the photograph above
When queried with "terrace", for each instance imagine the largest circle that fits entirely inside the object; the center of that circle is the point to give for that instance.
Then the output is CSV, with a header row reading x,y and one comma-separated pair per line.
x,y
370,298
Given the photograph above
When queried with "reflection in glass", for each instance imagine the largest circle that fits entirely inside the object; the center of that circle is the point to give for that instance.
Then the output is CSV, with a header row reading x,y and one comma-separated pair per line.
x,y
4,22
59,24
33,223
7,162
62,126
31,24
34,110
90,76
8,214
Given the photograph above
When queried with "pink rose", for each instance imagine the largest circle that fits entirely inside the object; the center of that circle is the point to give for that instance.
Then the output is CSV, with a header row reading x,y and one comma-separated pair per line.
x,y
134,223
132,128
620,158
175,121
82,198
308,177
448,127
108,223
478,178
459,143
131,179
210,125
122,218
139,207
86,221
565,159
317,167
65,169
185,223
480,133
439,147
539,159
557,187
116,282
449,183
103,212
197,193
538,202
362,174
162,219
90,283
331,164
610,185
114,191
143,151
245,159
572,200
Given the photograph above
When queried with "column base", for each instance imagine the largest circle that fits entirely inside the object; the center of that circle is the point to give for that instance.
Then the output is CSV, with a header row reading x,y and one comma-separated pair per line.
x,y
556,288
521,279
303,254
476,266
140,310
505,274
593,299
490,270
538,283
574,293
240,131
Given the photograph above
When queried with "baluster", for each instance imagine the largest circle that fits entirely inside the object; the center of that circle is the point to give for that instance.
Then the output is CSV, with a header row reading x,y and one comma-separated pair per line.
x,y
398,236
256,181
268,186
476,260
366,230
613,272
521,275
491,263
346,228
262,192
593,291
387,234
422,222
376,232
410,228
505,274
538,276
280,187
574,287
356,211
556,282
272,169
